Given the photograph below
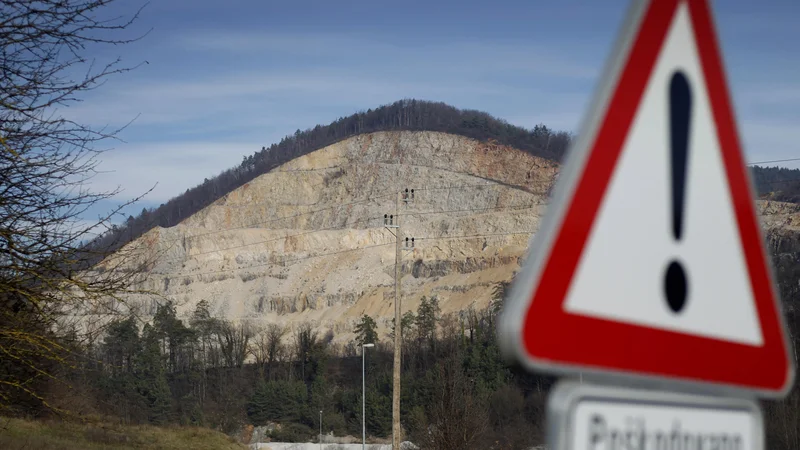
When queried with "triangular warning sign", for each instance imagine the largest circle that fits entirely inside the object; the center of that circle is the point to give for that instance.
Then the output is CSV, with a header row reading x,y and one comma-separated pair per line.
x,y
651,263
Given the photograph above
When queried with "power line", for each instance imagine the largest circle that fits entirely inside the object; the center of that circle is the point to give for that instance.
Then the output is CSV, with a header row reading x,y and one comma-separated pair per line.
x,y
773,161
337,227
444,188
471,236
779,214
366,200
250,204
513,207
282,263
487,184
463,186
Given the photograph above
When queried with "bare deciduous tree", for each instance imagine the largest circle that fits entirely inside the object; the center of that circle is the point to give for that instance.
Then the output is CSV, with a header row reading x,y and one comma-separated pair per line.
x,y
457,417
234,342
266,347
46,163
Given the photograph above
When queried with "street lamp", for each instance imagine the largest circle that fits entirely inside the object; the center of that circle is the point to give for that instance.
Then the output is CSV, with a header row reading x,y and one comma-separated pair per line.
x,y
364,347
320,429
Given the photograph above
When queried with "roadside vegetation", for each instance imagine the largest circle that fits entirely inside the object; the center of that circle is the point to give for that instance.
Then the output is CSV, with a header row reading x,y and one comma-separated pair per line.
x,y
19,434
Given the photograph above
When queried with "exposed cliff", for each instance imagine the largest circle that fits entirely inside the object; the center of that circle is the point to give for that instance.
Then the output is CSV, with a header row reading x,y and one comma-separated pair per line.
x,y
306,242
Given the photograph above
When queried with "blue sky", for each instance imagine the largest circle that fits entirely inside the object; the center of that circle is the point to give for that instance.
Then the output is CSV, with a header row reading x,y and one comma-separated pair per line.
x,y
224,79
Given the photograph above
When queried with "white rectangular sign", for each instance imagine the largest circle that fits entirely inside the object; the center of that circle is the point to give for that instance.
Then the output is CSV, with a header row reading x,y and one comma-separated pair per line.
x,y
586,417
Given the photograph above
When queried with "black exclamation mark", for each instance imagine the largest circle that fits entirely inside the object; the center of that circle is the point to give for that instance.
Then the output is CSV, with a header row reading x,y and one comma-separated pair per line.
x,y
680,110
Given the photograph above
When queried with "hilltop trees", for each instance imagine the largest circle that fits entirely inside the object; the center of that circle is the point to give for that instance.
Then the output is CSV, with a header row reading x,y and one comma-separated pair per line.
x,y
267,348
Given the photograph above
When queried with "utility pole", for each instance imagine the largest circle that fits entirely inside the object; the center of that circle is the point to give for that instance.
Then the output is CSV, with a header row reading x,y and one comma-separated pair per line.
x,y
390,222
398,331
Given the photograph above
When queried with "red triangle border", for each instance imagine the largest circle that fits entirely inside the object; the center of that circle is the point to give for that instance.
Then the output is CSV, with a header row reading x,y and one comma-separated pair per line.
x,y
552,336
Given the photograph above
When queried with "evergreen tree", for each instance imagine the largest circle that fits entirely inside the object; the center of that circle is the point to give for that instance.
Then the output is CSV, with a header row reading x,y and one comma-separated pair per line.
x,y
121,347
379,406
428,315
281,401
175,337
366,331
121,344
152,378
258,407
407,322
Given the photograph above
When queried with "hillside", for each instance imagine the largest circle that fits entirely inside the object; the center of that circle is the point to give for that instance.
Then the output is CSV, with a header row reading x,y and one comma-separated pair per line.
x,y
406,115
410,115
306,241
304,247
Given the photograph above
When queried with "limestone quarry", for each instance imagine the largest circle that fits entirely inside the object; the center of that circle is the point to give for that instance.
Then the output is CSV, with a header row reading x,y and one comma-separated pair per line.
x,y
306,242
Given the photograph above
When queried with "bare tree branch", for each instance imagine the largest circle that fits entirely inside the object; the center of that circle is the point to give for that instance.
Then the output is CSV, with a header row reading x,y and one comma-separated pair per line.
x,y
47,161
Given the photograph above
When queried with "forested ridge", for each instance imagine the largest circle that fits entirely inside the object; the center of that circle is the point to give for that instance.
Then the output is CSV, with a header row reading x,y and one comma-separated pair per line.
x,y
457,391
777,183
405,115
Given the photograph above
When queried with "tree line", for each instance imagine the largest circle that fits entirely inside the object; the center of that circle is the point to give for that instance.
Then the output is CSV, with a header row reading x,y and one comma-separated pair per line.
x,y
457,391
777,183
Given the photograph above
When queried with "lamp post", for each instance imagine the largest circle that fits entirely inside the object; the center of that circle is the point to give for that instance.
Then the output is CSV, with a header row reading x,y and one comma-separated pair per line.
x,y
364,348
320,430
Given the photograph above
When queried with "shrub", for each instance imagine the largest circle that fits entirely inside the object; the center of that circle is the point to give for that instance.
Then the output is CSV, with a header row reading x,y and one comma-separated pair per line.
x,y
293,432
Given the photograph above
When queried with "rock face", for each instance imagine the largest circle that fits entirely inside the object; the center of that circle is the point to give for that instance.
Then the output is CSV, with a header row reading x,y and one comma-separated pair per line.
x,y
307,243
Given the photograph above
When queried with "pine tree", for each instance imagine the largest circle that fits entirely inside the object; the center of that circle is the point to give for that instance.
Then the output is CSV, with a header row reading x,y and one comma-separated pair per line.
x,y
258,407
121,347
366,331
427,319
121,344
283,401
152,378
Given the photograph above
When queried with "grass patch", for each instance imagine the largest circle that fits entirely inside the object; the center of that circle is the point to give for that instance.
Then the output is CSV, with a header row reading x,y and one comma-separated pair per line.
x,y
34,435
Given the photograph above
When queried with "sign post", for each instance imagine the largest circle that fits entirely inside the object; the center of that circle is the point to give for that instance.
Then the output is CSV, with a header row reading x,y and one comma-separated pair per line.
x,y
649,268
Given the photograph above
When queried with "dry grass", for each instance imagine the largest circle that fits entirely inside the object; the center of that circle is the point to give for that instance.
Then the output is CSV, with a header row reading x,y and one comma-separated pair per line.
x,y
17,434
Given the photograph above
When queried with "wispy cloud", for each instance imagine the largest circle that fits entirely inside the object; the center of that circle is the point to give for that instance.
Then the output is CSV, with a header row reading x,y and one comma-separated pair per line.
x,y
477,57
214,94
218,97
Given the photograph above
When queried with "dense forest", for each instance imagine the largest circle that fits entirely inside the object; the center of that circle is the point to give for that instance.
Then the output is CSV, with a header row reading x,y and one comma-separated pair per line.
x,y
457,392
415,115
777,183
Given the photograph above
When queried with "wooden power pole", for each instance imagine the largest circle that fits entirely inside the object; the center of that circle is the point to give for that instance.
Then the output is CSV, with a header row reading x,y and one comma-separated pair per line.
x,y
398,331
